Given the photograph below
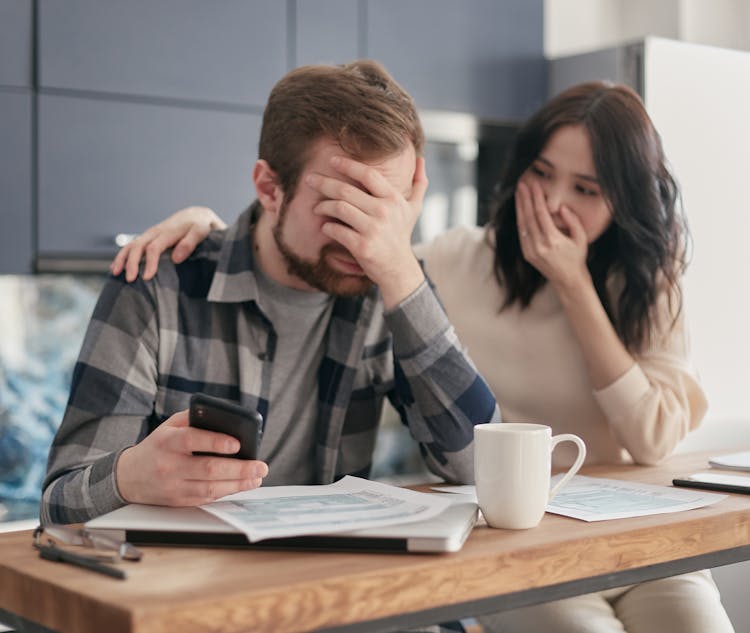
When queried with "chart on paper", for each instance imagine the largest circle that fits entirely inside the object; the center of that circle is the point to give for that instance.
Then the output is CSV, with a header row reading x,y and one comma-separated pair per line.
x,y
350,503
599,499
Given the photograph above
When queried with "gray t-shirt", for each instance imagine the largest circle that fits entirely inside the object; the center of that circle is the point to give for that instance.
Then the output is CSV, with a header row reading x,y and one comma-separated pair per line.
x,y
300,320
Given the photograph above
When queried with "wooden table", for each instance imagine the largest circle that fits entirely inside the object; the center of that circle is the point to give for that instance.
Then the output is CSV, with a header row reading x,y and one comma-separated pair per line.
x,y
205,590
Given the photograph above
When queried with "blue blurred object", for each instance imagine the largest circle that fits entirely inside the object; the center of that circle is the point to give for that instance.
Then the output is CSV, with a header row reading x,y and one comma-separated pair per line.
x,y
44,319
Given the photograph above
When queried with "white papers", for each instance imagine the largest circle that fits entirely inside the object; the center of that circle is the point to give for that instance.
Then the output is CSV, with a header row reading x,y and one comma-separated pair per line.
x,y
349,504
734,461
599,499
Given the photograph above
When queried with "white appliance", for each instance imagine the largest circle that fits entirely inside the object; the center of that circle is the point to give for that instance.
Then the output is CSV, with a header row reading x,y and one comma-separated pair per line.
x,y
699,99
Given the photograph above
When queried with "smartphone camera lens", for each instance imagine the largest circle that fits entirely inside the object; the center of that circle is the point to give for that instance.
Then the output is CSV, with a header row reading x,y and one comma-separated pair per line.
x,y
200,412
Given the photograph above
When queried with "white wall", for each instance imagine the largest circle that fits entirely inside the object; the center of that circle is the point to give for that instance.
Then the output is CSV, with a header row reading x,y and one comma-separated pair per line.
x,y
593,24
723,23
645,17
574,26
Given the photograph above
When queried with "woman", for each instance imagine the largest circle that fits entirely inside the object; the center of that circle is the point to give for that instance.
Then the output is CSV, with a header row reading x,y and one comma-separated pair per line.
x,y
570,305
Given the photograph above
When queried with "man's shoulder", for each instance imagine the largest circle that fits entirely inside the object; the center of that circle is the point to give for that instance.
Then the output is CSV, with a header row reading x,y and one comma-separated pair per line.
x,y
193,276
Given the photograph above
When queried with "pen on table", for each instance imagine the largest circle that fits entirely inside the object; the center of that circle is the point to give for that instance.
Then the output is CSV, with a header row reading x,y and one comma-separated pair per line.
x,y
50,552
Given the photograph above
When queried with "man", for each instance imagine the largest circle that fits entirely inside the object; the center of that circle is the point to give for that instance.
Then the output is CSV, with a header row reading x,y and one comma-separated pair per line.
x,y
311,309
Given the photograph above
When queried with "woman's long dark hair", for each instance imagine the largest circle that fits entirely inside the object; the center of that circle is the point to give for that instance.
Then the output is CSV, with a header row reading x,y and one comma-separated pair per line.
x,y
646,242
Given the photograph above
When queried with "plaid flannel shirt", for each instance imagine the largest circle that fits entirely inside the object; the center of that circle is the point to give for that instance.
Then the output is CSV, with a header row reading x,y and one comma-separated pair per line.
x,y
197,327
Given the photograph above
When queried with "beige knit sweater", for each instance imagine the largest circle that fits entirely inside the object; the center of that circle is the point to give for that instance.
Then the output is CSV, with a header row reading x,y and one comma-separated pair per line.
x,y
535,368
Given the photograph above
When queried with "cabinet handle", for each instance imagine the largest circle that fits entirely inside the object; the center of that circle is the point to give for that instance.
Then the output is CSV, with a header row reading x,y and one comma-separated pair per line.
x,y
124,238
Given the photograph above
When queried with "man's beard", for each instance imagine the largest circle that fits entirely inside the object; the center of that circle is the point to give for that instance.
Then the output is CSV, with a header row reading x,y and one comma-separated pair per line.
x,y
319,274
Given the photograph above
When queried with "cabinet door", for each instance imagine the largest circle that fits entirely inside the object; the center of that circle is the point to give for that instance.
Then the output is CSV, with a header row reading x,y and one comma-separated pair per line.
x,y
227,52
15,182
327,31
484,57
113,167
15,43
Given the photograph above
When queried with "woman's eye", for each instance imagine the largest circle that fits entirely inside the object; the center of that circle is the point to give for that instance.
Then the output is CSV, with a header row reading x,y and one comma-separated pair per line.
x,y
586,191
538,172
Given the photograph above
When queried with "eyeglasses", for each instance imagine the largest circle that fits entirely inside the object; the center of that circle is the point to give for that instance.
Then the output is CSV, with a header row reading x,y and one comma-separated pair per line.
x,y
103,547
98,549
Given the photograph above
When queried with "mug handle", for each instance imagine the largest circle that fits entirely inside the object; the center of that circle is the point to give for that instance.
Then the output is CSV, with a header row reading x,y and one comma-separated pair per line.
x,y
567,437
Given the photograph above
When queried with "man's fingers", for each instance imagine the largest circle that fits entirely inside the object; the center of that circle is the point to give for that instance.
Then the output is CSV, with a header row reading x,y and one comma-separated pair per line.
x,y
343,212
370,178
199,492
200,440
181,418
335,189
344,235
212,468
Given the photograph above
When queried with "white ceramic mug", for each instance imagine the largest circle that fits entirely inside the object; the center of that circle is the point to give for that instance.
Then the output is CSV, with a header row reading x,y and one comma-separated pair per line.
x,y
512,467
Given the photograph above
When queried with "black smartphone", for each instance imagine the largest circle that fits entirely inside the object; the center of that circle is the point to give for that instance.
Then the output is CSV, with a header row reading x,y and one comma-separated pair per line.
x,y
222,416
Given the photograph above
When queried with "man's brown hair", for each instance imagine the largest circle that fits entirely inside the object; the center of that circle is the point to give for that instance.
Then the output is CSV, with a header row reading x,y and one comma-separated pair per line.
x,y
358,105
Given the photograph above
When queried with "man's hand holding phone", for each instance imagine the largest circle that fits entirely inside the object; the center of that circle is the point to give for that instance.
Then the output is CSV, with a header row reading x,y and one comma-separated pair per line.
x,y
162,469
222,416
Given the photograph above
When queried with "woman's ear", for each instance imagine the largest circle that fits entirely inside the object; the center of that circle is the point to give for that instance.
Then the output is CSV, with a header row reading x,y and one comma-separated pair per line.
x,y
267,187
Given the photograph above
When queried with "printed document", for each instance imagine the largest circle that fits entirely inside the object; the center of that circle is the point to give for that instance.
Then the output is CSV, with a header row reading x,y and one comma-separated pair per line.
x,y
349,504
600,499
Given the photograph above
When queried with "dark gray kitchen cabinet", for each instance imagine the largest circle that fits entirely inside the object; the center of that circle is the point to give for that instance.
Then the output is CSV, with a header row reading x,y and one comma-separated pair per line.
x,y
108,167
328,31
16,247
220,52
115,113
16,207
15,43
484,57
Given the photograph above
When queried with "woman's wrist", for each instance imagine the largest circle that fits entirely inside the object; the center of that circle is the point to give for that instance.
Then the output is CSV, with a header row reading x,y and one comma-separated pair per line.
x,y
573,287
